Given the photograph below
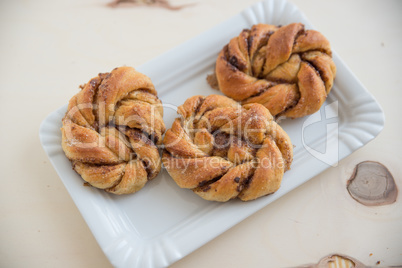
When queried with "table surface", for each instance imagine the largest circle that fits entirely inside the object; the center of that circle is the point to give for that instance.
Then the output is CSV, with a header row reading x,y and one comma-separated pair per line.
x,y
48,48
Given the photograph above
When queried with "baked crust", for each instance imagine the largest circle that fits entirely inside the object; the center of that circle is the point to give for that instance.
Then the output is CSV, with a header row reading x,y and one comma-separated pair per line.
x,y
111,130
222,150
287,69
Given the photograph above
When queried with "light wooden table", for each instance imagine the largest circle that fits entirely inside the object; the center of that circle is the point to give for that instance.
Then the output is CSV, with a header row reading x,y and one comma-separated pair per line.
x,y
48,48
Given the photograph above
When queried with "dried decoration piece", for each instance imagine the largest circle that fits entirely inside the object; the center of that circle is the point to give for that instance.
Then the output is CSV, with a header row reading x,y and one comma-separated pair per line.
x,y
371,184
337,260
156,3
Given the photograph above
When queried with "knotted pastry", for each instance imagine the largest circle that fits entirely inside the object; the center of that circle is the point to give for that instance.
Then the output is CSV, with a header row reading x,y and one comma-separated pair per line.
x,y
287,69
222,150
111,129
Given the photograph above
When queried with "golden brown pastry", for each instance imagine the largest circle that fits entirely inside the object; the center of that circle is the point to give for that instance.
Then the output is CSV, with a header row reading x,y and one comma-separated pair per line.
x,y
111,129
287,69
222,150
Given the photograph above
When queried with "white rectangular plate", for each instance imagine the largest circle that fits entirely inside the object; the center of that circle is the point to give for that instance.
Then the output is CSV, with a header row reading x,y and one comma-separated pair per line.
x,y
163,223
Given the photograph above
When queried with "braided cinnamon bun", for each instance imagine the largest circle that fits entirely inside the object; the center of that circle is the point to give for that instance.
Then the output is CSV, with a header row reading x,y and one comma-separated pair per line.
x,y
287,69
222,150
111,130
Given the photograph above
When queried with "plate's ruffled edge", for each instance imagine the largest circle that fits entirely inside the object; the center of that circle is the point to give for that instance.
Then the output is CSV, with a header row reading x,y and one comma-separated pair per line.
x,y
363,119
